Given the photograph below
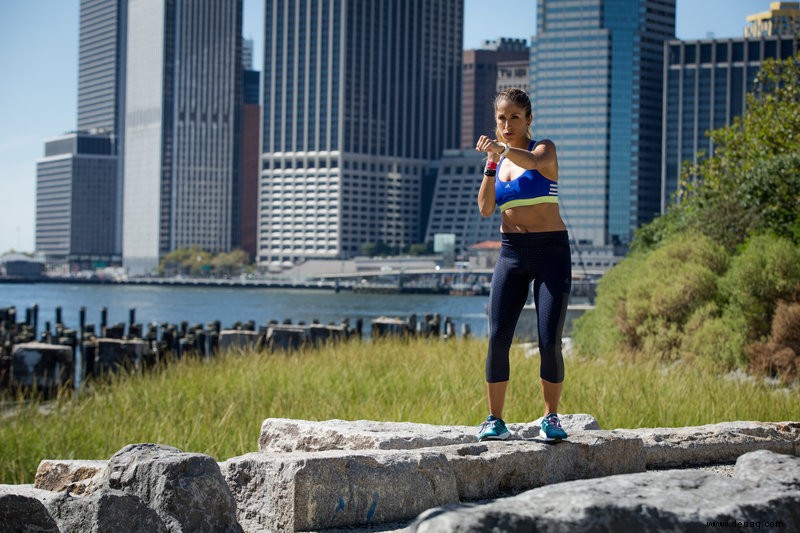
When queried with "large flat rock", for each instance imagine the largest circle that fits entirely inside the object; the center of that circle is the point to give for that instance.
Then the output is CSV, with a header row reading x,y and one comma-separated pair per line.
x,y
672,500
337,488
716,443
289,435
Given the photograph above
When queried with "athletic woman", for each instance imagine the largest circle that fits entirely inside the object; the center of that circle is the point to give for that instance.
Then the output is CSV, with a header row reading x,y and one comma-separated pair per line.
x,y
521,178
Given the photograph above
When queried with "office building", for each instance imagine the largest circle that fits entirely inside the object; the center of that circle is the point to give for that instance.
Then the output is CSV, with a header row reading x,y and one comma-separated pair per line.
x,y
78,222
454,209
705,87
783,18
251,158
182,126
76,201
596,83
482,71
358,98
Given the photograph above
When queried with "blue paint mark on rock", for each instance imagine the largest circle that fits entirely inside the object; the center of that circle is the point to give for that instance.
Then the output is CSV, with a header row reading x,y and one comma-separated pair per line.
x,y
339,506
372,507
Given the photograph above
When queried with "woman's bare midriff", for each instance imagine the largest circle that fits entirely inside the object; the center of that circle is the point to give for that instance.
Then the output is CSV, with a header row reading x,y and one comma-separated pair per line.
x,y
532,219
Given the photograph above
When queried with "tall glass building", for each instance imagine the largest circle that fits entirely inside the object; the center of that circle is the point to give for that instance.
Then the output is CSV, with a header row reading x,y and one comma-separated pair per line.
x,y
596,81
182,123
79,179
359,97
705,87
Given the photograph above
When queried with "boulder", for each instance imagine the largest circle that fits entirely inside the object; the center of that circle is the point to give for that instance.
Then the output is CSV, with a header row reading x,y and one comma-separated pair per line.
x,y
75,477
716,443
337,488
103,511
302,491
287,435
21,509
674,500
186,490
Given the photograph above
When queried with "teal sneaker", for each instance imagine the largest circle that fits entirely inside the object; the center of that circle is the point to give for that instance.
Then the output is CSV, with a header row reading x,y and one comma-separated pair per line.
x,y
493,429
551,428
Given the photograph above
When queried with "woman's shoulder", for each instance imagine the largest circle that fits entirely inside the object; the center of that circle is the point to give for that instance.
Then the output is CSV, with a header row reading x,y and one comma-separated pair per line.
x,y
547,143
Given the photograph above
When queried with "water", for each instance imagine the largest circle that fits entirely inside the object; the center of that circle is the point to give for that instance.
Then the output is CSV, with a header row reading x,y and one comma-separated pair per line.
x,y
201,305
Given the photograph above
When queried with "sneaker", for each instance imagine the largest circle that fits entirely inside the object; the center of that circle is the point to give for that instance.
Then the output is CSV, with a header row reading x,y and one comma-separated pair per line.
x,y
493,429
551,428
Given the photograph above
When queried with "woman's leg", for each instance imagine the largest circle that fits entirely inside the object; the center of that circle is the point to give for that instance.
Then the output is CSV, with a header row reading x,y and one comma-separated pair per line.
x,y
510,286
551,295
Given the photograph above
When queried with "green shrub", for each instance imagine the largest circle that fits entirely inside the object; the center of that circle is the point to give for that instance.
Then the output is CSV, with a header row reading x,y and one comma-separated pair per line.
x,y
766,271
710,336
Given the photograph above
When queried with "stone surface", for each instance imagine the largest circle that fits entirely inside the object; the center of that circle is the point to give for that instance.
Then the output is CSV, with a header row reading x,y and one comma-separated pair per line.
x,y
301,491
491,470
41,365
288,435
716,443
673,500
21,509
75,477
337,488
186,490
232,339
103,511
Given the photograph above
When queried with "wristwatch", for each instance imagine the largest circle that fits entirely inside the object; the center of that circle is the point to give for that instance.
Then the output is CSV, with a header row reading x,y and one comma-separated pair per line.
x,y
505,150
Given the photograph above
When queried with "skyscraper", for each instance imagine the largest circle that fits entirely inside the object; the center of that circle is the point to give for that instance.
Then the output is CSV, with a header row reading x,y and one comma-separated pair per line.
x,y
783,18
481,71
360,96
183,105
705,87
79,179
596,76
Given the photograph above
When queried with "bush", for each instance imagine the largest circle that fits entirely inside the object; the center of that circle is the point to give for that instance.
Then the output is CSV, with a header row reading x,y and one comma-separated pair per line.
x,y
780,355
644,302
710,335
766,271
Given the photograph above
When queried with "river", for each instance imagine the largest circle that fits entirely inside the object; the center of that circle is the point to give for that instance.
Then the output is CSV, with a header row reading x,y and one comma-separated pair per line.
x,y
201,305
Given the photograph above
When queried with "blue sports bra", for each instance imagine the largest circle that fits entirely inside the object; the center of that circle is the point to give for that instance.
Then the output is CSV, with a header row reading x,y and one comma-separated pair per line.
x,y
530,188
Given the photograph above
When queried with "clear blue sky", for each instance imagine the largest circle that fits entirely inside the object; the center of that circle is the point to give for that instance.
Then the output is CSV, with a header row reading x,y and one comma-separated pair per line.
x,y
39,65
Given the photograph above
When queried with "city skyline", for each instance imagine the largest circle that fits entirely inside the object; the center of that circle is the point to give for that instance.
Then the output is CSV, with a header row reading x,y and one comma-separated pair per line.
x,y
41,104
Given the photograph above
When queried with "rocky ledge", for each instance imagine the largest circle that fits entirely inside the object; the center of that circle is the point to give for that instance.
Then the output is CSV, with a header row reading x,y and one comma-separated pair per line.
x,y
333,474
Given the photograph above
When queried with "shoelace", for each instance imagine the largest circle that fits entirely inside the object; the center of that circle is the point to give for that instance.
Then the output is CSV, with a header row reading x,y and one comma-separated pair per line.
x,y
554,421
486,424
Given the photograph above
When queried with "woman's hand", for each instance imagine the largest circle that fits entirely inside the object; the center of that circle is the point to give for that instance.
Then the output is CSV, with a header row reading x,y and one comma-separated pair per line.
x,y
490,146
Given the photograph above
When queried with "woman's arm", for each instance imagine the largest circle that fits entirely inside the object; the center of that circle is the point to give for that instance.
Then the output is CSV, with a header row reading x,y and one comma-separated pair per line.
x,y
486,198
542,158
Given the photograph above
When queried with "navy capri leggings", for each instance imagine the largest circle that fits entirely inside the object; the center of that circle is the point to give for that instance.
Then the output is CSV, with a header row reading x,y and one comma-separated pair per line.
x,y
544,259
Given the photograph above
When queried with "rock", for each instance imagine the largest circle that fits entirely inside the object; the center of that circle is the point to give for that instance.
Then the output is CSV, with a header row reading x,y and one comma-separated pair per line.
x,y
21,509
338,488
491,470
75,477
674,500
114,355
765,467
186,490
716,443
103,511
301,491
287,435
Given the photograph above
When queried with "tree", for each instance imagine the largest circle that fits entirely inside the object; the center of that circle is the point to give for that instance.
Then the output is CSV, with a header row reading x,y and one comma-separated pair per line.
x,y
752,182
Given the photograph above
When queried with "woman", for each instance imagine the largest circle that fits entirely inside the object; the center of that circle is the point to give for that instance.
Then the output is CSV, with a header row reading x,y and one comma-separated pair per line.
x,y
521,177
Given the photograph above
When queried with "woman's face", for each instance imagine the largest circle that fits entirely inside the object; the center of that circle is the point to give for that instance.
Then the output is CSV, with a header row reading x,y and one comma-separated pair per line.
x,y
512,121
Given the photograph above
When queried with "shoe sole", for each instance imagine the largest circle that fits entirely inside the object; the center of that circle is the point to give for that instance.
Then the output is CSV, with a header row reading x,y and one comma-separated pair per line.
x,y
504,436
544,437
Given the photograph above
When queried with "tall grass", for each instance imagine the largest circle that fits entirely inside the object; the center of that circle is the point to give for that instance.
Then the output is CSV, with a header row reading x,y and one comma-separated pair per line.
x,y
216,405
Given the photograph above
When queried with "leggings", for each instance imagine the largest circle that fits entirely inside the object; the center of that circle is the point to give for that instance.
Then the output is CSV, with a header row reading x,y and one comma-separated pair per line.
x,y
543,258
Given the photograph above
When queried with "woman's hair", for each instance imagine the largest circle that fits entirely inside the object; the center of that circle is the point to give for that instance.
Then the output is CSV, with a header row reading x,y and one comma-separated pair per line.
x,y
517,97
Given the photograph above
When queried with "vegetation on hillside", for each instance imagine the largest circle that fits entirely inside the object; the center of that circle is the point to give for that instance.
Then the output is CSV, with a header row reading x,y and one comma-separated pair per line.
x,y
717,277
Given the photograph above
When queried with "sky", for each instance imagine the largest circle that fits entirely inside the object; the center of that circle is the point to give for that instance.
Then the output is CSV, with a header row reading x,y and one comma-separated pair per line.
x,y
39,62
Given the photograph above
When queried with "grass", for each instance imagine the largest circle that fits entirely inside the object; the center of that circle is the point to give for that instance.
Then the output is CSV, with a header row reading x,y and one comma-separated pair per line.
x,y
216,405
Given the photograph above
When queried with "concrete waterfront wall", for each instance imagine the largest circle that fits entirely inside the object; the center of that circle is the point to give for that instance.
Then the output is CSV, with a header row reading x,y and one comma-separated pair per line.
x,y
321,475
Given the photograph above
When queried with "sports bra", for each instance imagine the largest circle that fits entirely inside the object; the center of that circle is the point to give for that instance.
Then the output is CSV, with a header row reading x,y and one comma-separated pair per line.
x,y
530,188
